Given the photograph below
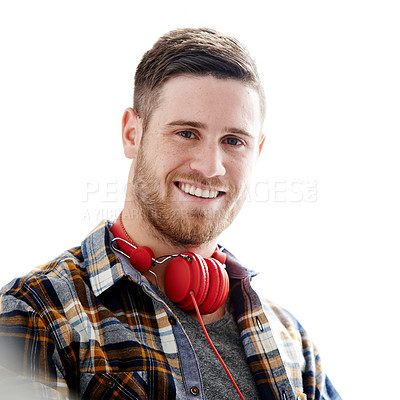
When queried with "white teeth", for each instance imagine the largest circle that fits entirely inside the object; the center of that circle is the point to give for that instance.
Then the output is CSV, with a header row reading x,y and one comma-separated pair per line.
x,y
195,191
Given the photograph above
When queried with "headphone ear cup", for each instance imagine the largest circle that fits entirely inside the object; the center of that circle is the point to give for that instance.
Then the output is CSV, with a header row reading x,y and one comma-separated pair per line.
x,y
182,276
220,256
141,258
201,278
218,288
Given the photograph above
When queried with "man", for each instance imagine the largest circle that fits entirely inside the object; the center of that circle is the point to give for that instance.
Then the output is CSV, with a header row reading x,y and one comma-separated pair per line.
x,y
100,321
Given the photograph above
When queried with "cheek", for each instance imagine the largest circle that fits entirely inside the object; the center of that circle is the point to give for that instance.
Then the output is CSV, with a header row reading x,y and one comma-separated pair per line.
x,y
240,172
161,161
175,160
169,164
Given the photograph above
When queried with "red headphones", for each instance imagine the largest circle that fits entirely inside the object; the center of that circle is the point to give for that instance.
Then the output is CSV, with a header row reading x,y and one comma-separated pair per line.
x,y
187,272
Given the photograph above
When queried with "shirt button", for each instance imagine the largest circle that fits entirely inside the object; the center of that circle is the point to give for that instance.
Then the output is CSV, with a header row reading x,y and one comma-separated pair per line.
x,y
172,320
110,383
260,325
194,390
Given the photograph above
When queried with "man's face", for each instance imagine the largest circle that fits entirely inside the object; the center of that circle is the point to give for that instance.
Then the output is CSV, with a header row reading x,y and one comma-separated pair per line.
x,y
195,159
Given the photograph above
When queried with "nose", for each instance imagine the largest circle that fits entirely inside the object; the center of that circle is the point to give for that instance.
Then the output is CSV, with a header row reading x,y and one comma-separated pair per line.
x,y
208,160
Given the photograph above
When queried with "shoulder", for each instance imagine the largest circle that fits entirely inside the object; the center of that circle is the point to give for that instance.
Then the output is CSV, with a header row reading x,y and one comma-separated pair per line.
x,y
287,330
279,313
286,327
292,339
45,282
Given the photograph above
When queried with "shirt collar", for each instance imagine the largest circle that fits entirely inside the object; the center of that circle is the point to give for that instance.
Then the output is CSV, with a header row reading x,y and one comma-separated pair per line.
x,y
105,267
235,269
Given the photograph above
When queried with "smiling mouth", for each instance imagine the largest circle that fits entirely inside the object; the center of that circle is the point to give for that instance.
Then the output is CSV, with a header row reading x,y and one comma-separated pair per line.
x,y
210,193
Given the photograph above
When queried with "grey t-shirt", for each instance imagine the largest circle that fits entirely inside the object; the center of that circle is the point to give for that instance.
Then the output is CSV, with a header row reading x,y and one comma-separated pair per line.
x,y
225,336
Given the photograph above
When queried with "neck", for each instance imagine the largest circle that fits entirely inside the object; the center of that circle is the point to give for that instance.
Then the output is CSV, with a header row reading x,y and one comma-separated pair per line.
x,y
140,235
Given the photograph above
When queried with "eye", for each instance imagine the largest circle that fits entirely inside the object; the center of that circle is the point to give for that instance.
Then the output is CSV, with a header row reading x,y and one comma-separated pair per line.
x,y
233,141
186,134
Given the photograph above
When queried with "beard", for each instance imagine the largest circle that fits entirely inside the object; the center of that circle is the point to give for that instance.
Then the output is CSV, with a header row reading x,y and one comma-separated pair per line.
x,y
173,223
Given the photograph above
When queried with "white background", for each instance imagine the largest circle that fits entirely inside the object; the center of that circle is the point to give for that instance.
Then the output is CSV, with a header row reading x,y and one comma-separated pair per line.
x,y
322,220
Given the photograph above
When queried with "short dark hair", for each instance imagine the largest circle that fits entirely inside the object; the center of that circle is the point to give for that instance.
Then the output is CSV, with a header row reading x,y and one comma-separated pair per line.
x,y
196,51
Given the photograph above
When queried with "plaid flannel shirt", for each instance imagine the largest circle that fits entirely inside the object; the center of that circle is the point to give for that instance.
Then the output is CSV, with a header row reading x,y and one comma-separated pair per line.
x,y
87,325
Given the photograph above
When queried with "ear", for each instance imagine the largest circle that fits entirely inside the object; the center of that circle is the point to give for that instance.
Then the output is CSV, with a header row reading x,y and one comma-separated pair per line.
x,y
131,132
261,143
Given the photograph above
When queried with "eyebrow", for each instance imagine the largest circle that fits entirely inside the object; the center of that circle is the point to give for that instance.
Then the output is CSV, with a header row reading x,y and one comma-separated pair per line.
x,y
200,125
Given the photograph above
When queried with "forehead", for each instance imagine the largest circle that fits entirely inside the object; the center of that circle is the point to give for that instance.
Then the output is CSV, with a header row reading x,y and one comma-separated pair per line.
x,y
210,100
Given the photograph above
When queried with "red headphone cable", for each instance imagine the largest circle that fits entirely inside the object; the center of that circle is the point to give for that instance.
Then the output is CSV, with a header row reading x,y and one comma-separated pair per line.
x,y
212,345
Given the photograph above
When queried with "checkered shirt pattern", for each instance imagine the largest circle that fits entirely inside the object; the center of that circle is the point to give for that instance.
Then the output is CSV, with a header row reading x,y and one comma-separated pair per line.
x,y
82,327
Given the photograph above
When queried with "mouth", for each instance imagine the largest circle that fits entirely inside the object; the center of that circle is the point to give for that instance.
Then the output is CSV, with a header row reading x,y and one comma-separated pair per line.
x,y
199,191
